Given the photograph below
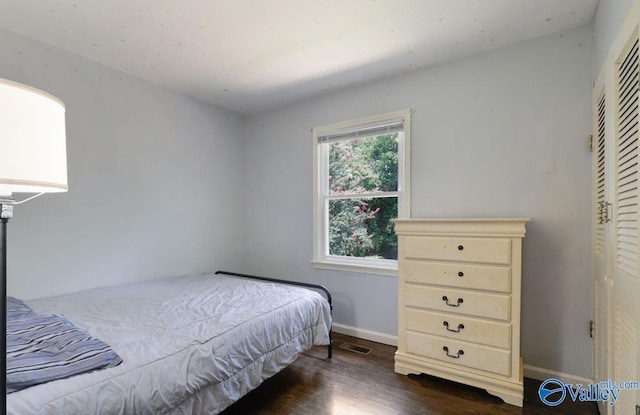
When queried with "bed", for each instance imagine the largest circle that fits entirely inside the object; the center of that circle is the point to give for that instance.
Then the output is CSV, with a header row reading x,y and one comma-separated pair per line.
x,y
189,345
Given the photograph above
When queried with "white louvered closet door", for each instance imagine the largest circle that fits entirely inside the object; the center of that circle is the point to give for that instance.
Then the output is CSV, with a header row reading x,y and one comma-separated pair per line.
x,y
617,201
602,289
625,288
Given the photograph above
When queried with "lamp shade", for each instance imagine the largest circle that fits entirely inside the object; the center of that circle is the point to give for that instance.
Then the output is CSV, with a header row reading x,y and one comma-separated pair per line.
x,y
33,155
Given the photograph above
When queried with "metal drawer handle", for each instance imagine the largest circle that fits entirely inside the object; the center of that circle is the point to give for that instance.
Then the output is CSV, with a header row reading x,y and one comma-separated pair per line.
x,y
460,274
446,300
460,327
460,247
460,353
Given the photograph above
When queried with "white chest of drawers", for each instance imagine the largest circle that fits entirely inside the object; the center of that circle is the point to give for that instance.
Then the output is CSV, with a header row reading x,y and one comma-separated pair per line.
x,y
459,302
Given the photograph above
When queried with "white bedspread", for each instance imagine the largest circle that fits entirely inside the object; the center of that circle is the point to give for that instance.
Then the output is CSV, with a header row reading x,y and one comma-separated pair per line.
x,y
190,345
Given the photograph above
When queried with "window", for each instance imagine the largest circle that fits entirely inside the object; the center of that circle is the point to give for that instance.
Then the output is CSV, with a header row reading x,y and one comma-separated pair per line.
x,y
361,182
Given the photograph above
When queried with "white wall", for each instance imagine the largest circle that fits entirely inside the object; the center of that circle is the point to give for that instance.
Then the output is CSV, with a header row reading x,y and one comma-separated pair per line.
x,y
155,180
501,134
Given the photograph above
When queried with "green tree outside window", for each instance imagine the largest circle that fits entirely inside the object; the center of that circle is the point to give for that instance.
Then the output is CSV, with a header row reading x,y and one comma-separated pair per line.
x,y
361,226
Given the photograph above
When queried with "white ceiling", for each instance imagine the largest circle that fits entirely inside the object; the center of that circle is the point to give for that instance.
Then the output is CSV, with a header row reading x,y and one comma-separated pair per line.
x,y
252,55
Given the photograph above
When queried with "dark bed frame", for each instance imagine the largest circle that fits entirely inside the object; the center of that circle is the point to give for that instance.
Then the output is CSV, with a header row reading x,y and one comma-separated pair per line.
x,y
296,283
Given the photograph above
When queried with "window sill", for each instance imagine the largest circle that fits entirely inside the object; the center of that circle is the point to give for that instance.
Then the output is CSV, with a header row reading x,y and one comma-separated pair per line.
x,y
352,266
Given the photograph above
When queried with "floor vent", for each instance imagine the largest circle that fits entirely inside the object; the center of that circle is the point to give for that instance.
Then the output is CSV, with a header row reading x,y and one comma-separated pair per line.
x,y
356,349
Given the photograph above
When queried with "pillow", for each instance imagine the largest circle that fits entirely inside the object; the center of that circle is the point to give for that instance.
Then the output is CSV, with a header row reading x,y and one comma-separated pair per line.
x,y
45,348
16,308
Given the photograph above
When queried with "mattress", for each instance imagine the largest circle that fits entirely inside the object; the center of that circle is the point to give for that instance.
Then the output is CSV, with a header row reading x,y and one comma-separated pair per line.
x,y
191,344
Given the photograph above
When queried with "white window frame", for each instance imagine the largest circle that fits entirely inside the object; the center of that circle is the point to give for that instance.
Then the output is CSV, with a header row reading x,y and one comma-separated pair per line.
x,y
321,257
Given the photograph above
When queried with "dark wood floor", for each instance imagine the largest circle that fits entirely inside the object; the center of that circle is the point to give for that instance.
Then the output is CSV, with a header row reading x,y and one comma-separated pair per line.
x,y
353,384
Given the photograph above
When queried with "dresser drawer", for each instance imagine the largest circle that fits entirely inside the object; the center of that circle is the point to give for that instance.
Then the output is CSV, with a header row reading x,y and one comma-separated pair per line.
x,y
460,275
470,303
465,354
457,327
484,250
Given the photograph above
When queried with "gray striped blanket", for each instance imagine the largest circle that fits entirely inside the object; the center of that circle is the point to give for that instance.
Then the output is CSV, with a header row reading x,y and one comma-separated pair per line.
x,y
41,348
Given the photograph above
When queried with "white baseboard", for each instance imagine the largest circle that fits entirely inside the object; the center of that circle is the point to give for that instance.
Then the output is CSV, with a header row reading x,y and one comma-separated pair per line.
x,y
532,372
374,336
544,374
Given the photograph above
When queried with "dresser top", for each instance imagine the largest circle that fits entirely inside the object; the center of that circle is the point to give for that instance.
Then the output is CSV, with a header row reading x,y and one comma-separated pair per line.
x,y
508,227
